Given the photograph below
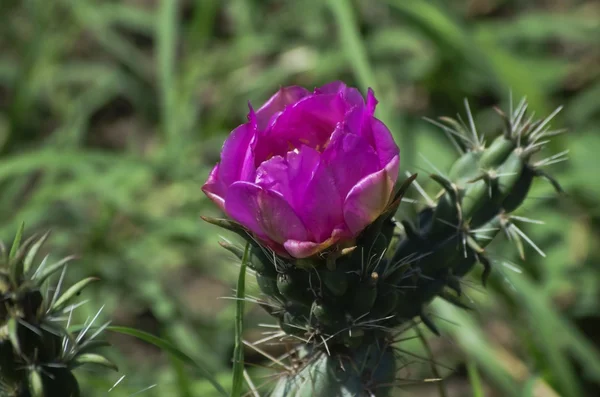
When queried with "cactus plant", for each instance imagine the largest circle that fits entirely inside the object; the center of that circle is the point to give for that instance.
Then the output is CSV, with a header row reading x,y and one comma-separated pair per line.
x,y
346,302
38,350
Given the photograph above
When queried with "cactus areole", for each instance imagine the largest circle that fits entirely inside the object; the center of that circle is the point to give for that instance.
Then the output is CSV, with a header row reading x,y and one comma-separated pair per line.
x,y
310,182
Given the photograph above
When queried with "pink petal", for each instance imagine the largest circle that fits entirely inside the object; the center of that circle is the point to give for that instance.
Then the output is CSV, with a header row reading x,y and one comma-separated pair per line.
x,y
352,97
304,249
214,188
236,157
289,176
321,207
367,200
285,96
360,121
273,174
384,144
264,212
302,164
349,158
310,122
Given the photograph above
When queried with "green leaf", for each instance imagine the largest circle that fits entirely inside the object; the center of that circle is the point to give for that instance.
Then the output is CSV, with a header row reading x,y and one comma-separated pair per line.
x,y
17,242
16,255
13,327
33,252
238,352
72,292
45,271
91,358
36,386
172,350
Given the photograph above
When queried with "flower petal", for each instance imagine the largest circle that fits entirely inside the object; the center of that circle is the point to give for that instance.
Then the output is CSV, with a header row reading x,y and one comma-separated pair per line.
x,y
321,207
214,188
310,122
360,121
273,174
264,212
367,200
352,97
304,249
384,144
289,176
349,158
236,157
285,96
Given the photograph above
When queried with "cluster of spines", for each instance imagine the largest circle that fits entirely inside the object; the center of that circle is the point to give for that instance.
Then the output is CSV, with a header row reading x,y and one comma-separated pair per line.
x,y
478,196
38,352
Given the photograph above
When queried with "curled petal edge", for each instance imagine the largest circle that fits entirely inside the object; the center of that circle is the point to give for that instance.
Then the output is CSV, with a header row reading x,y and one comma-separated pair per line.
x,y
370,197
305,249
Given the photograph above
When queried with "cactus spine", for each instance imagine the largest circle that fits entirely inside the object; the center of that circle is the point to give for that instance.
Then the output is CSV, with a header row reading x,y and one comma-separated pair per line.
x,y
344,305
38,352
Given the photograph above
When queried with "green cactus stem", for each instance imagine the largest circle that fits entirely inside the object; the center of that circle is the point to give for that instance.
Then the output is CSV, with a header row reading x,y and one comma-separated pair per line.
x,y
344,305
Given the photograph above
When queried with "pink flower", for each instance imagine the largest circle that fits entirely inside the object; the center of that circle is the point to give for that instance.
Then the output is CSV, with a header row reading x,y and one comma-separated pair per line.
x,y
308,170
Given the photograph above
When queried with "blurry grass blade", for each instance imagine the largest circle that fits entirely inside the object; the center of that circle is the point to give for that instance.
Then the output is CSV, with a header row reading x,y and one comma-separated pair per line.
x,y
242,12
134,18
113,42
238,352
475,379
73,291
203,20
437,24
356,54
184,383
354,49
563,335
166,35
433,364
172,350
472,341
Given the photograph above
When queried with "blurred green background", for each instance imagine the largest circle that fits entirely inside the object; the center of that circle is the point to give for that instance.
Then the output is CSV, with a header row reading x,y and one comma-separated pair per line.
x,y
113,112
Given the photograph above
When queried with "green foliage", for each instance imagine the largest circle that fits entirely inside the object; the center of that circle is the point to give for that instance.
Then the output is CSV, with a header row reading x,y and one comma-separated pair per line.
x,y
37,350
112,112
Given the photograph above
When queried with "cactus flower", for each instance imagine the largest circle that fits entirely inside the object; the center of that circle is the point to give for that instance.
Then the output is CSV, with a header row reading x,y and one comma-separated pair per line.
x,y
308,170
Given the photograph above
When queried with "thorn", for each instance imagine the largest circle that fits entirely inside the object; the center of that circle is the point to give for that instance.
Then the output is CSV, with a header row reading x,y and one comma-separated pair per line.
x,y
410,231
487,268
550,179
429,323
453,283
448,297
